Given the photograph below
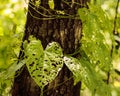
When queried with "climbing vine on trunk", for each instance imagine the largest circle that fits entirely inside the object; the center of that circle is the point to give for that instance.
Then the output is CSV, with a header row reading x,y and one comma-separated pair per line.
x,y
62,48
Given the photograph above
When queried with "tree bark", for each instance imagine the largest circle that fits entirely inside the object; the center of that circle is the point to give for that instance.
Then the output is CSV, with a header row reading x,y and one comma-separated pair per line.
x,y
50,25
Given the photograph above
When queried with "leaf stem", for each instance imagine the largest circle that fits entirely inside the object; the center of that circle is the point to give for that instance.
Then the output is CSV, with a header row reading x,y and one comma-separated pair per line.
x,y
115,19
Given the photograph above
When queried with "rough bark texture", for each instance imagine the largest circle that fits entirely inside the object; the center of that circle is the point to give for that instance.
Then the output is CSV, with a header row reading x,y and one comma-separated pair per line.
x,y
64,29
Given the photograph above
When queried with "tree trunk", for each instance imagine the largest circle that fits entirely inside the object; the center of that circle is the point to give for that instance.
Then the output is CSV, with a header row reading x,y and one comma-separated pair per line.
x,y
59,25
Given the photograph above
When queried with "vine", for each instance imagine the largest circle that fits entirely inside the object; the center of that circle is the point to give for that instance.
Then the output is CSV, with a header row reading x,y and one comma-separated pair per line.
x,y
44,65
58,13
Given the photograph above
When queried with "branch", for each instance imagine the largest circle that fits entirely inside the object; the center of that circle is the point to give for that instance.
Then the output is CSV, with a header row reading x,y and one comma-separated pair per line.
x,y
114,33
115,19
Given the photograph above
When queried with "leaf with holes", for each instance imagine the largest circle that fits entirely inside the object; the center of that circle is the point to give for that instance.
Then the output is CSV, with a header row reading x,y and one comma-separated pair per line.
x,y
84,71
53,61
34,54
43,65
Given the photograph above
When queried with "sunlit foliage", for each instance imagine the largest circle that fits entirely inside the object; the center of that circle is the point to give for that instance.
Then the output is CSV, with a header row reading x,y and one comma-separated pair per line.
x,y
12,21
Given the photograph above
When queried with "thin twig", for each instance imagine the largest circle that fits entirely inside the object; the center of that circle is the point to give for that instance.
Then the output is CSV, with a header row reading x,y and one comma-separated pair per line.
x,y
114,33
115,19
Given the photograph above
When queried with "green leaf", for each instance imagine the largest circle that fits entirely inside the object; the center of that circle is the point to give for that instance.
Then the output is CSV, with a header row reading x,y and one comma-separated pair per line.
x,y
34,56
83,12
53,61
93,80
97,37
6,74
51,4
75,67
43,65
84,71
